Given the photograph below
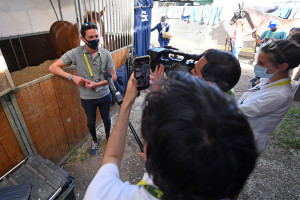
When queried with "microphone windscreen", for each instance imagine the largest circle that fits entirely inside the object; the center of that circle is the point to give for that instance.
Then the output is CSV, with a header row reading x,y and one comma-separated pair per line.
x,y
107,75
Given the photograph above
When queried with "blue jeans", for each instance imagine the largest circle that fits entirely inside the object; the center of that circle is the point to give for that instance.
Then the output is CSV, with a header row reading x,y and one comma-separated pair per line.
x,y
90,108
236,49
164,42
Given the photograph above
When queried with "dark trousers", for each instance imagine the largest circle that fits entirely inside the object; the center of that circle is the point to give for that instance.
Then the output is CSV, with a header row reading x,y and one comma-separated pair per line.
x,y
90,108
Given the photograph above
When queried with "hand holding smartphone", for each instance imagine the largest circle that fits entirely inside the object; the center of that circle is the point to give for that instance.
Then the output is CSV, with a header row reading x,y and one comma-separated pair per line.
x,y
141,68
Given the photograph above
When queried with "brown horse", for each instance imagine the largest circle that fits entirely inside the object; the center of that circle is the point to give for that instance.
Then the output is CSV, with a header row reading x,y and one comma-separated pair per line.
x,y
260,21
64,35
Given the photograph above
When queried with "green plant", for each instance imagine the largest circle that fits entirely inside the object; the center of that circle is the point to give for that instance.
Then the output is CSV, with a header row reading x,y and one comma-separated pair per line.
x,y
288,132
84,155
74,155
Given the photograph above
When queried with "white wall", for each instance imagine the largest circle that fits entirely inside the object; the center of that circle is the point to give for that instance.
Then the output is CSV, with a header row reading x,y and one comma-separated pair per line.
x,y
18,17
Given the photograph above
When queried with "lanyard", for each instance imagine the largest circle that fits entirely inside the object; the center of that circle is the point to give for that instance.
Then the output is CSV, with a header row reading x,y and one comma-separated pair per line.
x,y
268,34
277,84
157,193
280,83
88,64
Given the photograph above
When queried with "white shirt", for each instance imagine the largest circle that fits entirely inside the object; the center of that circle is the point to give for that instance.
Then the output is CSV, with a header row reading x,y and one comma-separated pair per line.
x,y
239,36
265,105
108,185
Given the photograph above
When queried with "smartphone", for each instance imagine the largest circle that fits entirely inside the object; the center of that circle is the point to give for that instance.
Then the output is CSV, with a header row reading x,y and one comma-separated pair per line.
x,y
141,69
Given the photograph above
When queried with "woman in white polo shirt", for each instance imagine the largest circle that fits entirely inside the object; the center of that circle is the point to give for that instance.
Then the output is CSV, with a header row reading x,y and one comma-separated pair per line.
x,y
267,103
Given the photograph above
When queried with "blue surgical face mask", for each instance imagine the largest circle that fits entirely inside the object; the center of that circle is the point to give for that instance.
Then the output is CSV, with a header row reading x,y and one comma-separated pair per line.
x,y
262,72
93,44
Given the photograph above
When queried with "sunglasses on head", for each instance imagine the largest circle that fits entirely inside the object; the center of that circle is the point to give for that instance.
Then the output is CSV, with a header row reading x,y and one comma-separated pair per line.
x,y
87,24
274,47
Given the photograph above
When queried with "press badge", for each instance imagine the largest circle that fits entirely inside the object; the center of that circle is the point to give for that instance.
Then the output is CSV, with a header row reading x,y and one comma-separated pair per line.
x,y
99,87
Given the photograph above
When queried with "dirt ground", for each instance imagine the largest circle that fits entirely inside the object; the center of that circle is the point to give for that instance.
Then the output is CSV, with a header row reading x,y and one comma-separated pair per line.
x,y
276,176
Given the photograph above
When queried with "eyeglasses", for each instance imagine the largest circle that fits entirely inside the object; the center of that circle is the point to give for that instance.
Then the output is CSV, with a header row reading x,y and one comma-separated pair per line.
x,y
274,47
87,24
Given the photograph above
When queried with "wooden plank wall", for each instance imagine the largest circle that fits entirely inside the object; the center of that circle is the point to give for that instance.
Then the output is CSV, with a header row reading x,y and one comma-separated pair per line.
x,y
53,113
10,151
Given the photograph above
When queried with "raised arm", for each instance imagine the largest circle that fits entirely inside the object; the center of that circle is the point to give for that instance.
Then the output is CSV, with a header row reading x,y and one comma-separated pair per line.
x,y
155,27
115,147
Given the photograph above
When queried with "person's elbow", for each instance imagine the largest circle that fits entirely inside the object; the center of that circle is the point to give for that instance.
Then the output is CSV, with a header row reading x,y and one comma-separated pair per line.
x,y
52,68
56,66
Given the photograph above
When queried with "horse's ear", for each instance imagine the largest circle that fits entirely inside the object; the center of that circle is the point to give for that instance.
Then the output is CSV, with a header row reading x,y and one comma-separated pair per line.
x,y
239,5
101,13
88,12
242,6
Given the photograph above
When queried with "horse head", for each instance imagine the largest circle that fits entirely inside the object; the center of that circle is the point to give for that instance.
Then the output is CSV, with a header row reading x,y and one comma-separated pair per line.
x,y
238,14
91,16
95,17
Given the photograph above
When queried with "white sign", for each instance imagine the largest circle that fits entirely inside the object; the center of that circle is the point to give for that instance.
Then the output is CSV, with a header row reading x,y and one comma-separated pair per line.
x,y
144,16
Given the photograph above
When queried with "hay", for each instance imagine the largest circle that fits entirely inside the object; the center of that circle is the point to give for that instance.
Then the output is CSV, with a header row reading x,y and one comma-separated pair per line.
x,y
31,73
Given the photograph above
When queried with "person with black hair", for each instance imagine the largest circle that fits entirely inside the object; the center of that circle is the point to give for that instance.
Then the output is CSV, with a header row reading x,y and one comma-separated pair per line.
x,y
219,67
267,103
91,61
293,31
197,145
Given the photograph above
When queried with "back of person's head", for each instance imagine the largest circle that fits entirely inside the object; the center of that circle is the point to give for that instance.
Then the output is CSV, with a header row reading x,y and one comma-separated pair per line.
x,y
87,26
221,68
285,51
199,146
293,31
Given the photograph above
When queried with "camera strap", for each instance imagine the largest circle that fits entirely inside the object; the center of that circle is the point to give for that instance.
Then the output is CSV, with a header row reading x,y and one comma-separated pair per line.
x,y
157,193
88,64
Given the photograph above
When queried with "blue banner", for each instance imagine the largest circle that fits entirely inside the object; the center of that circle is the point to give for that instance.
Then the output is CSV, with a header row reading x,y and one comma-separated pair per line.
x,y
142,26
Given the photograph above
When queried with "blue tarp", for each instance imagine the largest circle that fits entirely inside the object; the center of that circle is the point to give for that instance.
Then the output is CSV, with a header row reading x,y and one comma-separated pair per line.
x,y
195,16
121,82
283,12
142,26
206,14
215,14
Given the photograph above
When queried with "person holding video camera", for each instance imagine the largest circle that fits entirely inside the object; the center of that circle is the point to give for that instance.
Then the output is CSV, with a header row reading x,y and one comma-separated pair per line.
x,y
219,67
91,61
163,27
197,145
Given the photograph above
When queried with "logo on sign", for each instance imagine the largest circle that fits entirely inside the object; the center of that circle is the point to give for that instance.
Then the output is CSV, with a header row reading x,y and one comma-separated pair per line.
x,y
144,16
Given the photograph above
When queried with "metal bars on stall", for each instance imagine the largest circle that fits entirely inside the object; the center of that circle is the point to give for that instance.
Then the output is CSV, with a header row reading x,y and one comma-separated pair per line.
x,y
115,25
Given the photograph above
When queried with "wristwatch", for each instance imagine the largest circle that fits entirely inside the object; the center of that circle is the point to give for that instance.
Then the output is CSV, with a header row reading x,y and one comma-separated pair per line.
x,y
70,77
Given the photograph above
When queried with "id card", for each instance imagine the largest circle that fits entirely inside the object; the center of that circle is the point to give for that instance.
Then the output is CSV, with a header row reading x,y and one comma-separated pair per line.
x,y
97,89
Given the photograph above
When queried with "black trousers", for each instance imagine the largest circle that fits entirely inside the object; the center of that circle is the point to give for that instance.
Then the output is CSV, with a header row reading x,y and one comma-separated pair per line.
x,y
90,108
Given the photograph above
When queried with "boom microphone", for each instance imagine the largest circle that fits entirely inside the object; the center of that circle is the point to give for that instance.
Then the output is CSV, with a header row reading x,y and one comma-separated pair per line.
x,y
117,95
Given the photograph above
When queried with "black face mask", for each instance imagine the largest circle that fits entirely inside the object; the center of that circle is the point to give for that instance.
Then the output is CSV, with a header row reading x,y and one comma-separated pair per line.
x,y
93,44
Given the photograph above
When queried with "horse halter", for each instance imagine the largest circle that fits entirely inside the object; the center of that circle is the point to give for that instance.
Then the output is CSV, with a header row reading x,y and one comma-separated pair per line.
x,y
238,14
241,14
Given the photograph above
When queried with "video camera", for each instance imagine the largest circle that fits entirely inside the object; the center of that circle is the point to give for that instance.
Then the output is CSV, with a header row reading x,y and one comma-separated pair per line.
x,y
172,59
